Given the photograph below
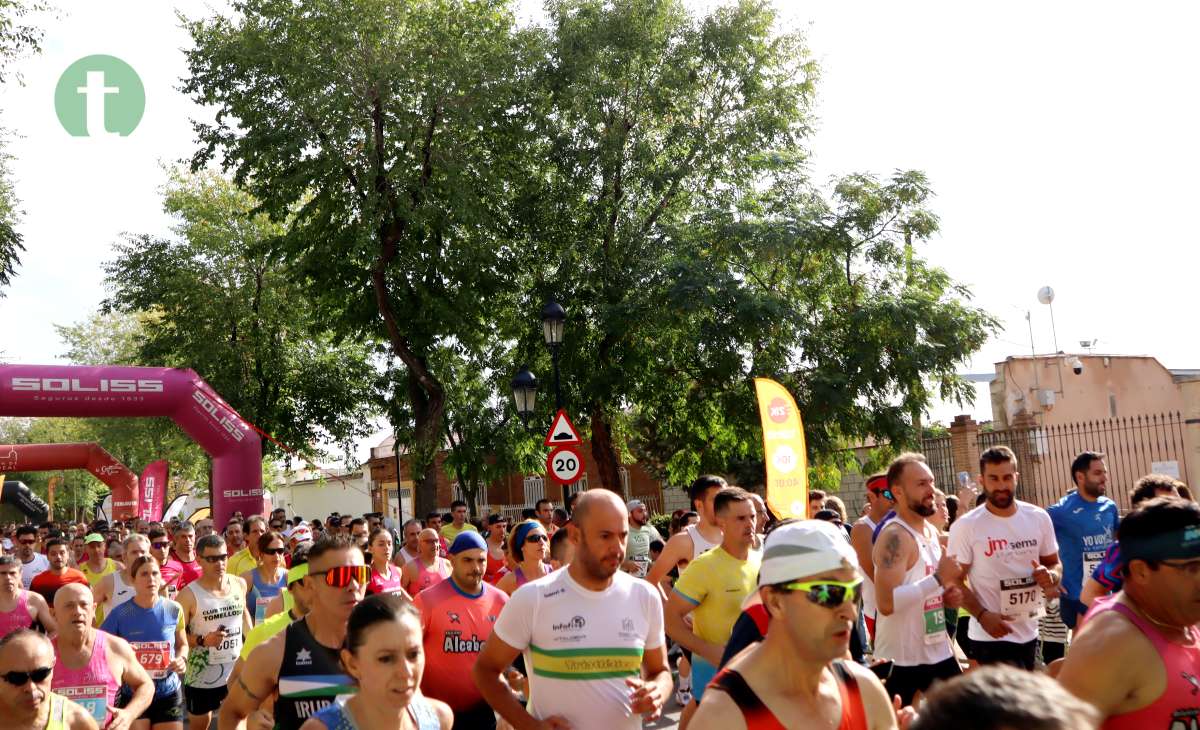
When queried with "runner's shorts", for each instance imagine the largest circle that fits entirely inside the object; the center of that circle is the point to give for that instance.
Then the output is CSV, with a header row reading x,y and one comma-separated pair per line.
x,y
201,701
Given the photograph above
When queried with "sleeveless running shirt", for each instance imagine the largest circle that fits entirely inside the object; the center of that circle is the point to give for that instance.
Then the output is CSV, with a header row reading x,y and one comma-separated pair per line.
x,y
110,567
916,636
700,544
310,677
1178,707
427,577
121,593
522,579
209,668
93,687
759,717
262,592
869,608
337,717
19,617
58,712
151,633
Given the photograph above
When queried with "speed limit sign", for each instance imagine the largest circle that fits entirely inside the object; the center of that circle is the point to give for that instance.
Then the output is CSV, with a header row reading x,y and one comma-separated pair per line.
x,y
564,464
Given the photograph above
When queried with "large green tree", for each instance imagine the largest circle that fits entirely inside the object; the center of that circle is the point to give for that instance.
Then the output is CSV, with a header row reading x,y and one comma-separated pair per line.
x,y
392,128
650,115
222,302
822,291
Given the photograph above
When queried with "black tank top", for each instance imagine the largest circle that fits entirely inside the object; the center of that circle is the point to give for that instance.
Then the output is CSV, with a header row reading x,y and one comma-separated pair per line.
x,y
309,677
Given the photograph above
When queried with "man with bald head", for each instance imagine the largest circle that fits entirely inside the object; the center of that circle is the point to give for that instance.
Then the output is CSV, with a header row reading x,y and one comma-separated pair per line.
x,y
91,665
598,632
26,701
429,568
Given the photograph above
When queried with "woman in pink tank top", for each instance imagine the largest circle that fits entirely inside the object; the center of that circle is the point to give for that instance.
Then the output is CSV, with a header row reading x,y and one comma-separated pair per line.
x,y
93,686
18,618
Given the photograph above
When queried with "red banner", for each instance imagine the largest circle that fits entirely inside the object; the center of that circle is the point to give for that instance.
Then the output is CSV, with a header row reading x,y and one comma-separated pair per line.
x,y
154,490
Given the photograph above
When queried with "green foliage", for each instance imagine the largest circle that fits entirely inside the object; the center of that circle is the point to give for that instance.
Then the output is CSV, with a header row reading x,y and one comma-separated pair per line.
x,y
662,523
10,215
18,38
224,304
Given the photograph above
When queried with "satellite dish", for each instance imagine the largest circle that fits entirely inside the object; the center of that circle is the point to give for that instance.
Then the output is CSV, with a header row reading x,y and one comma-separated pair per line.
x,y
1045,295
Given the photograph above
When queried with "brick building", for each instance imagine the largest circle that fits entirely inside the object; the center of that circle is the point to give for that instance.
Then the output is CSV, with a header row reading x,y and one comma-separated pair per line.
x,y
394,497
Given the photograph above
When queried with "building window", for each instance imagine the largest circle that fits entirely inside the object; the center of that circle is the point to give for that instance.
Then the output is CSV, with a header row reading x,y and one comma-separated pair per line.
x,y
535,489
481,506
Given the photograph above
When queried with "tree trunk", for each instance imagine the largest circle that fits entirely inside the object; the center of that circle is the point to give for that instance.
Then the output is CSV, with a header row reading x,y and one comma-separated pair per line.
x,y
603,451
427,416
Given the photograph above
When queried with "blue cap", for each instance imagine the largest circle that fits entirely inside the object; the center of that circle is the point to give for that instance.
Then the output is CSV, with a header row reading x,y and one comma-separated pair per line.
x,y
467,540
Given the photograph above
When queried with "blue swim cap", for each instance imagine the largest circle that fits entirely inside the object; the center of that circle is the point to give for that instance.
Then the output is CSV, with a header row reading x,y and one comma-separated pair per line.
x,y
467,540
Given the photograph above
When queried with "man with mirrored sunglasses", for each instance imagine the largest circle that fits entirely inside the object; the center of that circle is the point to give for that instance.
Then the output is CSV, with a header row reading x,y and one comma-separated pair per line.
x,y
26,701
302,663
810,585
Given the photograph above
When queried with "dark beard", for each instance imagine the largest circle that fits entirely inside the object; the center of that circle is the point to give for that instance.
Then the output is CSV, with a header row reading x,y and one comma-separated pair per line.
x,y
1008,500
922,510
1093,490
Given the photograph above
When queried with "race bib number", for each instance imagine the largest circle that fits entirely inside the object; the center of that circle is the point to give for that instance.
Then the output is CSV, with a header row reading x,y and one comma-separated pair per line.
x,y
93,699
1091,558
1021,598
229,648
935,620
643,565
154,656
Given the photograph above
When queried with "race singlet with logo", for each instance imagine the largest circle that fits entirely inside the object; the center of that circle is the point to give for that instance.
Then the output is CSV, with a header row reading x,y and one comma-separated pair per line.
x,y
209,667
310,677
92,687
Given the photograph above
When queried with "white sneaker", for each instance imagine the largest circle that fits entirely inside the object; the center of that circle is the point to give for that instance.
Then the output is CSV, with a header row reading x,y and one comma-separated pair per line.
x,y
683,697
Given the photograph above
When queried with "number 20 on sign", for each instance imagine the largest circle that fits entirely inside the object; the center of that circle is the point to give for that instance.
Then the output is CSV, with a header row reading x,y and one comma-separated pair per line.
x,y
564,464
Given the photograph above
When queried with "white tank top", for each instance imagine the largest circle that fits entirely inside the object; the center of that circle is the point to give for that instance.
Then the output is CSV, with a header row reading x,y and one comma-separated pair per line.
x,y
121,593
700,545
918,635
210,667
868,588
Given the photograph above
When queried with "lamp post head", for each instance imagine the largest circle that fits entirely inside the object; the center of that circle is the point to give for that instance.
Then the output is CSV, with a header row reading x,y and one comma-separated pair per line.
x,y
524,387
553,316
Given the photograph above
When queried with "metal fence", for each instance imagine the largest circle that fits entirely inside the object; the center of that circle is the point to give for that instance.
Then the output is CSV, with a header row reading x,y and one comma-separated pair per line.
x,y
940,457
1134,446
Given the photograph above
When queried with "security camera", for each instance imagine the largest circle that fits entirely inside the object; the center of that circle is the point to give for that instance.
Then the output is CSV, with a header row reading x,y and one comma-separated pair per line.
x,y
1077,366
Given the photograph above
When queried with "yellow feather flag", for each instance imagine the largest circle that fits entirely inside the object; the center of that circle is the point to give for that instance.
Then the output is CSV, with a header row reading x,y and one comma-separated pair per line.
x,y
783,450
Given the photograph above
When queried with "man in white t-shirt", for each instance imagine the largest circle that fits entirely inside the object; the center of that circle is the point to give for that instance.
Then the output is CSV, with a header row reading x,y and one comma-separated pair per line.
x,y
32,562
589,634
641,534
1009,558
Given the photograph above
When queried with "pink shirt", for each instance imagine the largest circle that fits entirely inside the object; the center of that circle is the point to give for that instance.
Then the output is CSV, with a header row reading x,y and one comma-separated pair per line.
x,y
456,625
389,583
94,686
178,574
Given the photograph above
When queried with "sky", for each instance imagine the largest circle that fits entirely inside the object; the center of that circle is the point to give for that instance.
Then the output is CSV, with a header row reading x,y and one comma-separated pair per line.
x,y
1059,139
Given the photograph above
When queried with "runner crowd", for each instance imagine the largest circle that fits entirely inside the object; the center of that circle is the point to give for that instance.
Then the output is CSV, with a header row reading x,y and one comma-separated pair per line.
x,y
929,611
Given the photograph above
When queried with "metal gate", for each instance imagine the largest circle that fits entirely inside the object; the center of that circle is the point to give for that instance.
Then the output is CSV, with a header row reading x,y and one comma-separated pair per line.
x,y
1133,446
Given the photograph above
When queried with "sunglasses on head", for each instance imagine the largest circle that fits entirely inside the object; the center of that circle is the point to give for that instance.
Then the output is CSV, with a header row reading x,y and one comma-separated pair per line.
x,y
828,593
341,576
18,679
537,537
216,558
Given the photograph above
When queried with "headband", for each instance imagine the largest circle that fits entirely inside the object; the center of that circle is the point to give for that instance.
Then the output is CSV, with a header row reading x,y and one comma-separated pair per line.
x,y
1182,544
520,534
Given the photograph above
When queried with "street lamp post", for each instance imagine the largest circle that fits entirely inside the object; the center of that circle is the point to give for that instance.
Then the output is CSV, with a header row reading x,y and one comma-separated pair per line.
x,y
524,387
553,316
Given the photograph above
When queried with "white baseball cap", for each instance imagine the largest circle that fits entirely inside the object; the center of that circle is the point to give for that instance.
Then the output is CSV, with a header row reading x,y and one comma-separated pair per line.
x,y
802,549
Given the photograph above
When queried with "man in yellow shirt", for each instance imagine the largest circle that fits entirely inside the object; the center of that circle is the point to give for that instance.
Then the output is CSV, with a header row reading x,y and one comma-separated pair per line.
x,y
712,589
458,508
97,564
246,559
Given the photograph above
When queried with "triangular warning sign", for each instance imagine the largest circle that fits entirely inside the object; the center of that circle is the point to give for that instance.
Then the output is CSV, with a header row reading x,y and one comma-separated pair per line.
x,y
562,431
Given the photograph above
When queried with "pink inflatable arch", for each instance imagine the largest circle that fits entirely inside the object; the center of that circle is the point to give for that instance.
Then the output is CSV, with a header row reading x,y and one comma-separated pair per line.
x,y
89,456
92,391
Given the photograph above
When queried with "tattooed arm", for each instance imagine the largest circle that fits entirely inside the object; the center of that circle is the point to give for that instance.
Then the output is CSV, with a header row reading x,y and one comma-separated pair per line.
x,y
895,552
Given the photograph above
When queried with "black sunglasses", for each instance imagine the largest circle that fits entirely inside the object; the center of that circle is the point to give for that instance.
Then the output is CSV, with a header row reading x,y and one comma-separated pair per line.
x,y
160,545
539,537
274,551
216,558
19,679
